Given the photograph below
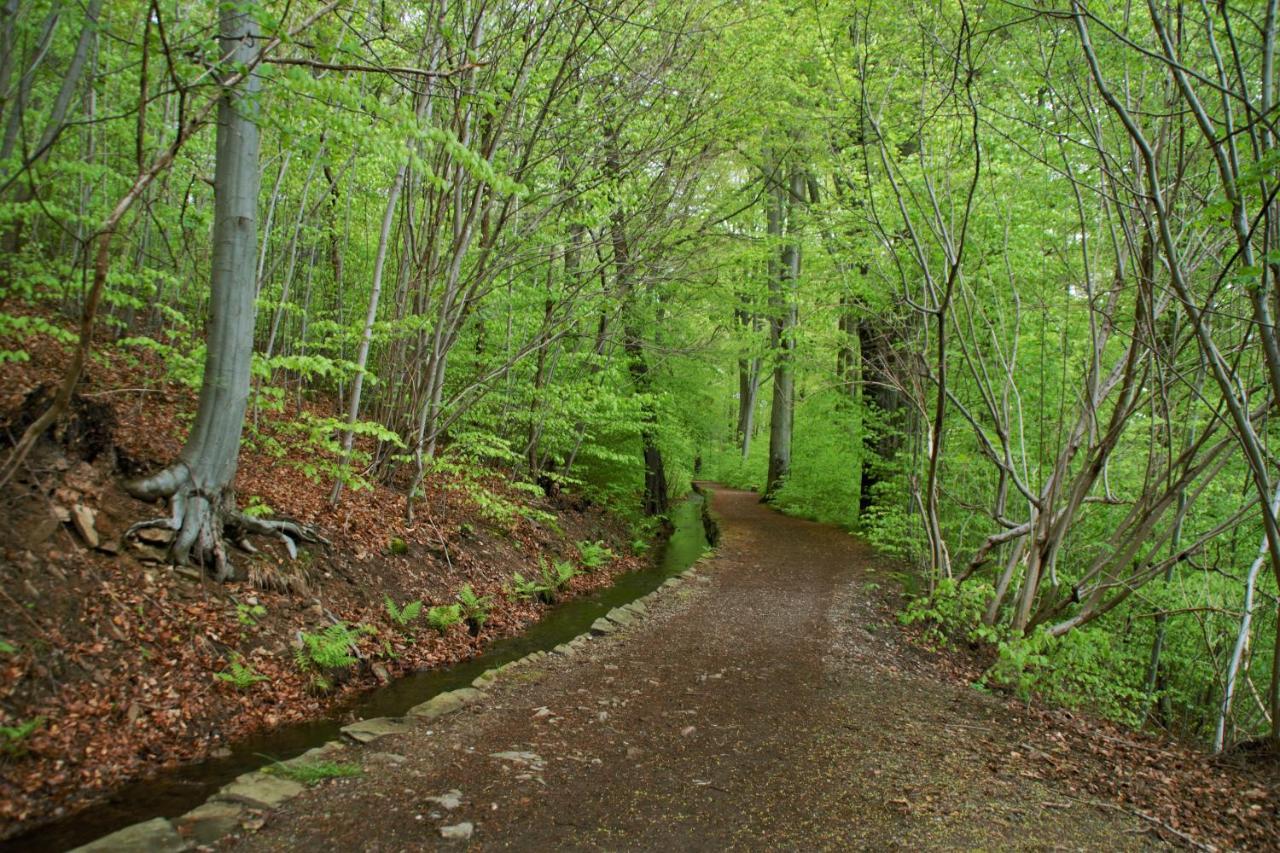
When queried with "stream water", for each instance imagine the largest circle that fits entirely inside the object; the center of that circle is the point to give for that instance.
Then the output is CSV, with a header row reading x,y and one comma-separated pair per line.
x,y
174,792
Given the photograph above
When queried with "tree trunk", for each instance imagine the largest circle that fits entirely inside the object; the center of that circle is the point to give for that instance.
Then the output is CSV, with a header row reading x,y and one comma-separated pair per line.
x,y
199,485
782,324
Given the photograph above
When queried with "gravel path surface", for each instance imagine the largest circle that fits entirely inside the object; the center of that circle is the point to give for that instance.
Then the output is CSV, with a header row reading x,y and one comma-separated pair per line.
x,y
769,704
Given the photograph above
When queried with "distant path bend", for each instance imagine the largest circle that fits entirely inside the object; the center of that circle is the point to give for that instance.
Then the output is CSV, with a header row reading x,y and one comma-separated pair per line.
x,y
769,706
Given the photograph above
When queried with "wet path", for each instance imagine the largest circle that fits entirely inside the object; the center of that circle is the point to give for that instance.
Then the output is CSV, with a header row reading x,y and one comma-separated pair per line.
x,y
763,706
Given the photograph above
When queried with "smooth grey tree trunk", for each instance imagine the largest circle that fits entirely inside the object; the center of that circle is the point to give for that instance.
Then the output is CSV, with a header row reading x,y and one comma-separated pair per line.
x,y
782,323
199,484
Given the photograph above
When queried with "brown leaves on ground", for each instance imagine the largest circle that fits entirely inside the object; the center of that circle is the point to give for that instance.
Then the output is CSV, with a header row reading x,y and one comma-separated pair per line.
x,y
1189,796
118,655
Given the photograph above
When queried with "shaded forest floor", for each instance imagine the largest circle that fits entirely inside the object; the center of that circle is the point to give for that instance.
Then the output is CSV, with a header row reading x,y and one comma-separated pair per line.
x,y
774,704
115,653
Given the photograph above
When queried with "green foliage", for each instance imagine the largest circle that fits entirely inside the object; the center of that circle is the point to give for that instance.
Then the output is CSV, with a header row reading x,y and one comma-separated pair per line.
x,y
1082,669
13,739
442,617
952,610
888,524
524,589
257,508
312,772
593,555
7,648
239,674
249,614
20,328
331,649
553,577
310,444
825,478
556,574
403,616
475,608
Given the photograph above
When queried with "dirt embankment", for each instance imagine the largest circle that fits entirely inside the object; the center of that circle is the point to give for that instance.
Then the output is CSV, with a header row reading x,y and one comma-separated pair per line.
x,y
117,663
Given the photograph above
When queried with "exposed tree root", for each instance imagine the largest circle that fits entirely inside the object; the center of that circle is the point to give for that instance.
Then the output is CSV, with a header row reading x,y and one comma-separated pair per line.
x,y
205,521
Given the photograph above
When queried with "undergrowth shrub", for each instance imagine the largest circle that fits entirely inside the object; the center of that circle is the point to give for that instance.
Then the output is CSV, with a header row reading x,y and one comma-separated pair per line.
x,y
1089,667
552,578
1085,668
953,610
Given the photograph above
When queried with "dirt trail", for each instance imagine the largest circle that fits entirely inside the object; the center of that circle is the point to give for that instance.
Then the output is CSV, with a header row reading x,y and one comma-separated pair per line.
x,y
766,706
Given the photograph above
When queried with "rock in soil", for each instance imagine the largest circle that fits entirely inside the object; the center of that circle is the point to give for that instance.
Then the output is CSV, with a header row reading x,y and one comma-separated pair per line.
x,y
458,832
82,518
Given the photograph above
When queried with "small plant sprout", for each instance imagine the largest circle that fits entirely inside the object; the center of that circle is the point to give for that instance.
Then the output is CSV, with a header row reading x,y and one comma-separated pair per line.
x,y
257,507
249,614
13,739
239,674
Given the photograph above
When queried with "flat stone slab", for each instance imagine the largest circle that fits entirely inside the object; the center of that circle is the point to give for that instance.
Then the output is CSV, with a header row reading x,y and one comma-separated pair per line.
x,y
603,626
671,582
210,822
446,703
621,617
324,750
565,649
155,836
258,789
366,731
637,607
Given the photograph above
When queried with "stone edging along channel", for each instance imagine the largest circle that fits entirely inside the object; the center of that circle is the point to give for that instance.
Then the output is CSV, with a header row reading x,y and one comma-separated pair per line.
x,y
239,804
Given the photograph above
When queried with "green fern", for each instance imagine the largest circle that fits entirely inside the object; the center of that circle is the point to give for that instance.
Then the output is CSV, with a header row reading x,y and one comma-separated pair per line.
x,y
556,575
523,589
444,616
475,608
239,674
330,649
402,616
593,555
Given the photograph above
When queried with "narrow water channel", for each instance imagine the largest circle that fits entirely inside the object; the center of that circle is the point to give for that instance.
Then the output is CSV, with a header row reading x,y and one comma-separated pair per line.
x,y
175,792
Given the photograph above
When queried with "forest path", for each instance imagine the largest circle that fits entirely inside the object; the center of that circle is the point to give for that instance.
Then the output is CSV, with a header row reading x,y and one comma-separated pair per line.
x,y
771,704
